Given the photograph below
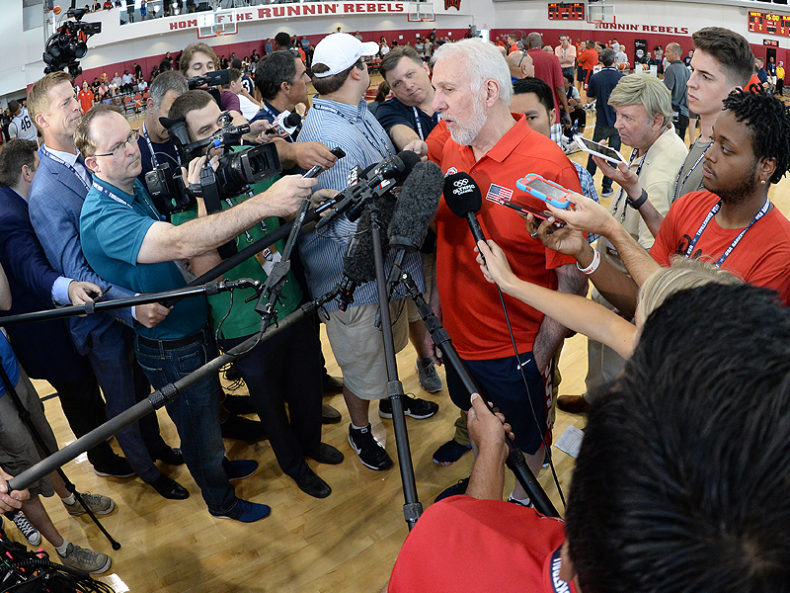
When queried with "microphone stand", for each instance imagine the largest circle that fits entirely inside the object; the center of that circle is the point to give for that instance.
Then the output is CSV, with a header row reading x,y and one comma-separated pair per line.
x,y
153,297
159,398
412,508
24,415
515,460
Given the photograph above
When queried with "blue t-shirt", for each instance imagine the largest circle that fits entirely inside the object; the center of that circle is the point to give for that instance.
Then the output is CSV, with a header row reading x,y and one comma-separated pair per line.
x,y
10,365
600,86
393,112
113,225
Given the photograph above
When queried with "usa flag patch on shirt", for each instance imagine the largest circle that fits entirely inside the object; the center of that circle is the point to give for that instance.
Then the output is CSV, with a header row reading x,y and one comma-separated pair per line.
x,y
497,193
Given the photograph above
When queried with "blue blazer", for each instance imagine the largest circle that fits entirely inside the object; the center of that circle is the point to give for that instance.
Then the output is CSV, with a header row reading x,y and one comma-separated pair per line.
x,y
55,201
44,348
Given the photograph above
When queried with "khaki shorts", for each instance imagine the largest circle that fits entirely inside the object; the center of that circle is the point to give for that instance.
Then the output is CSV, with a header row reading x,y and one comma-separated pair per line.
x,y
429,270
18,451
359,348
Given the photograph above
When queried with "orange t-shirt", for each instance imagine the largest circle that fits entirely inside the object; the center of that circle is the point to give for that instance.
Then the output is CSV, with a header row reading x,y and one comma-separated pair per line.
x,y
762,257
589,59
85,98
754,80
466,545
471,312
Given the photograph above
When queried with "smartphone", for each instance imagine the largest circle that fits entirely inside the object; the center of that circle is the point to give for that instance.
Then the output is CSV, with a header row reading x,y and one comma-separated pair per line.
x,y
545,190
601,150
527,209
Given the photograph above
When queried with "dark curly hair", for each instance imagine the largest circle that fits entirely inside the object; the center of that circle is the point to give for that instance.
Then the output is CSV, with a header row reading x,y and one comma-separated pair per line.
x,y
768,119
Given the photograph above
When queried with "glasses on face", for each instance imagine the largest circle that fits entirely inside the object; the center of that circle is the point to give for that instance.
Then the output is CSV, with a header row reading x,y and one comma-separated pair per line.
x,y
523,55
117,150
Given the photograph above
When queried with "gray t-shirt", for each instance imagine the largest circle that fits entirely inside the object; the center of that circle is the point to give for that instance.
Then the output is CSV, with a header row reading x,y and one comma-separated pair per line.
x,y
691,180
676,77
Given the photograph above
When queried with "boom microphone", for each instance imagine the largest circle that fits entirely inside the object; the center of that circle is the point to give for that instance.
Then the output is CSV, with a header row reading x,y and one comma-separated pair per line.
x,y
414,211
464,199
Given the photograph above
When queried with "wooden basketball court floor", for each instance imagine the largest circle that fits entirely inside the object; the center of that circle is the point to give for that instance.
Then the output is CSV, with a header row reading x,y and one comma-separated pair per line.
x,y
346,543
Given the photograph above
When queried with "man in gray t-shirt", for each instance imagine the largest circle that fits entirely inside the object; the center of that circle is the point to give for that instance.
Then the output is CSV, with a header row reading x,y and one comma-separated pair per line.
x,y
675,78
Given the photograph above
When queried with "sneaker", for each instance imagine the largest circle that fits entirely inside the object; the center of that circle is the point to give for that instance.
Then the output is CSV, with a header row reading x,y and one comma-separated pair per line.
x,y
245,511
114,467
31,534
238,469
370,451
523,503
85,560
429,378
242,429
97,503
450,452
238,404
606,192
458,488
412,406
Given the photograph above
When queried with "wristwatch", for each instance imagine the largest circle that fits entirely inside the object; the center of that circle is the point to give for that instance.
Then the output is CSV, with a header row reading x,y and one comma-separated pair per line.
x,y
637,204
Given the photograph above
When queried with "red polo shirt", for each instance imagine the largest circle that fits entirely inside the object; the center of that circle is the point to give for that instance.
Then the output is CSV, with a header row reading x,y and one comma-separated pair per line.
x,y
471,312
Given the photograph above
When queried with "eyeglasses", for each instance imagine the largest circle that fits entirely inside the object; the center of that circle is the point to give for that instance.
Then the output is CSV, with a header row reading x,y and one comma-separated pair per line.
x,y
117,150
523,55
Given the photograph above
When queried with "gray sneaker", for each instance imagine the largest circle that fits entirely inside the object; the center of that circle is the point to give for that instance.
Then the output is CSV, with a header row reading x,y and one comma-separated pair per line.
x,y
429,378
31,534
85,560
98,503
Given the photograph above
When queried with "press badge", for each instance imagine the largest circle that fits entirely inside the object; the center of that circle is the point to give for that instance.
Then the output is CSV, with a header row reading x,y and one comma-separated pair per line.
x,y
267,258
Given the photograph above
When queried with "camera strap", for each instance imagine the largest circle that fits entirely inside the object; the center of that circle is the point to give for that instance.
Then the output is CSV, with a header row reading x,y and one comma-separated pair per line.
x,y
211,198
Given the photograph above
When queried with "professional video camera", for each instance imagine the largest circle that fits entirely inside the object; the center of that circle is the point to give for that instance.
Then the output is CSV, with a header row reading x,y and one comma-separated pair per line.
x,y
233,174
213,78
67,46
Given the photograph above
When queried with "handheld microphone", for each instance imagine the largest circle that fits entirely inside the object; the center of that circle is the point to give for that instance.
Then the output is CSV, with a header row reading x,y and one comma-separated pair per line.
x,y
465,200
285,124
414,211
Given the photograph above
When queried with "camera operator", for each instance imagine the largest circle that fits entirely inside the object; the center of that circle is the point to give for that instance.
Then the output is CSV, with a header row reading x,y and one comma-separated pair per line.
x,y
198,58
126,241
286,368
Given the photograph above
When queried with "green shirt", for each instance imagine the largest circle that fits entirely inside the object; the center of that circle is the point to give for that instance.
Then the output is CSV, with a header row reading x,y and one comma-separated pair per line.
x,y
242,320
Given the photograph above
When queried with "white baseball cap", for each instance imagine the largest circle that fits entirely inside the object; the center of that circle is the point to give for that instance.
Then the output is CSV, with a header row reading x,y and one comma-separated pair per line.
x,y
340,51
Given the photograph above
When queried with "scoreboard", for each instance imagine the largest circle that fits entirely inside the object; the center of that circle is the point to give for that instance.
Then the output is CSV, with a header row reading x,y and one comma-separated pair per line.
x,y
566,11
768,23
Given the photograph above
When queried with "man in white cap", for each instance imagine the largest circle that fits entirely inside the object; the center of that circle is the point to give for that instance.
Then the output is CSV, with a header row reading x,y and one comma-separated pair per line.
x,y
339,117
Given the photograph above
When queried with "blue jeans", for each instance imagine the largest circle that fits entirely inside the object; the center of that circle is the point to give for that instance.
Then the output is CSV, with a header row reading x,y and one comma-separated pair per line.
x,y
195,412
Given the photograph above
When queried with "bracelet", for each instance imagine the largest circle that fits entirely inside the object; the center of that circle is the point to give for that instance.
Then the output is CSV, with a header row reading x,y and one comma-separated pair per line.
x,y
637,204
596,261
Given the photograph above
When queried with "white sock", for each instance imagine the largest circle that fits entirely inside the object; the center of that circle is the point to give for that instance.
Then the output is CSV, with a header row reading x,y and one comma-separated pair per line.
x,y
355,427
70,499
61,549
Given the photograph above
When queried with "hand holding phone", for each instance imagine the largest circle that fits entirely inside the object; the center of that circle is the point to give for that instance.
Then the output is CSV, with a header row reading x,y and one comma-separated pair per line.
x,y
519,204
601,150
545,190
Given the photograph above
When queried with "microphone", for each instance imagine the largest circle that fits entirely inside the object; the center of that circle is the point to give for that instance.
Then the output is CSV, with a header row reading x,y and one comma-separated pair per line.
x,y
465,200
414,211
379,178
285,124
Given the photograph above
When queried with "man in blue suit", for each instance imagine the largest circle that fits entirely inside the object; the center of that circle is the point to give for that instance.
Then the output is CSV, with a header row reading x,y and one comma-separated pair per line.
x,y
55,201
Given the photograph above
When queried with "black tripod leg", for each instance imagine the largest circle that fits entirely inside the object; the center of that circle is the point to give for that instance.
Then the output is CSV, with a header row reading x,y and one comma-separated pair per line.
x,y
515,460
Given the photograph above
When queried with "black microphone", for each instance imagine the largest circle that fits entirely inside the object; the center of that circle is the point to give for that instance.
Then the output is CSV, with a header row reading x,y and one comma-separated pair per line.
x,y
465,200
414,211
379,178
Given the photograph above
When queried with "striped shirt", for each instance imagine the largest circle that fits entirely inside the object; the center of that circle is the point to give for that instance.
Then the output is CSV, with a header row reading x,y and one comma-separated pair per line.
x,y
354,129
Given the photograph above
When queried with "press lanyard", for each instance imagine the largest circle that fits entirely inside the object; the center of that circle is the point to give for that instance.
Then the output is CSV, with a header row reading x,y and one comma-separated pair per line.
x,y
71,168
638,171
365,129
120,200
678,183
735,241
154,160
418,122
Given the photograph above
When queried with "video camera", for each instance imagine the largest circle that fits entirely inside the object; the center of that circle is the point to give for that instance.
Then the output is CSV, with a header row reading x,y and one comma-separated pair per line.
x,y
66,47
213,78
234,173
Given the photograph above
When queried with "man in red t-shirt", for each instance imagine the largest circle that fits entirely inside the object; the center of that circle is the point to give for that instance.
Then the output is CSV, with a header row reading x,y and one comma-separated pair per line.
x,y
588,60
496,149
85,97
733,223
547,68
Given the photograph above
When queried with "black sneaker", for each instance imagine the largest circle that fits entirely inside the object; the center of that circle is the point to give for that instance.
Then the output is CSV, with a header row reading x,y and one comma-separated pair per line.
x,y
238,405
370,451
113,467
412,406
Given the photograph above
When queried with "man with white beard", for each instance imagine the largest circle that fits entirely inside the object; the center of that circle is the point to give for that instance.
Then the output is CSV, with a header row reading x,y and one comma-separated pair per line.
x,y
473,95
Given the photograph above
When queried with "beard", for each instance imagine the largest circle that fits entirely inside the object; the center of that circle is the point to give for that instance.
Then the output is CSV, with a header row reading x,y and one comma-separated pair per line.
x,y
740,191
466,134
